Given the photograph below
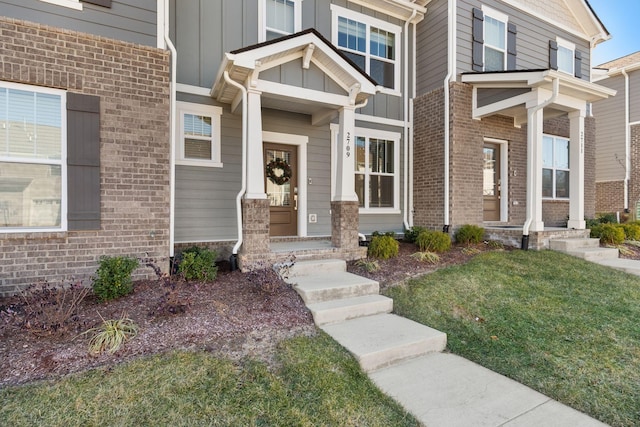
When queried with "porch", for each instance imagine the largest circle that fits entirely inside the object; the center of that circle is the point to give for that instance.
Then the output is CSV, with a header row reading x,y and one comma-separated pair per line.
x,y
311,248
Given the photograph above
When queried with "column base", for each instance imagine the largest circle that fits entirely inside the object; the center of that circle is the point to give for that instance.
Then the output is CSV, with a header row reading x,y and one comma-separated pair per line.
x,y
576,224
344,224
256,244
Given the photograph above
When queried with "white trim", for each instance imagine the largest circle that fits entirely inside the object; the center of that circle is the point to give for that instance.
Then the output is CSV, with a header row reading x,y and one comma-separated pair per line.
x,y
562,43
71,4
554,168
495,14
262,19
215,113
634,123
62,161
369,21
301,142
160,23
504,176
193,90
379,120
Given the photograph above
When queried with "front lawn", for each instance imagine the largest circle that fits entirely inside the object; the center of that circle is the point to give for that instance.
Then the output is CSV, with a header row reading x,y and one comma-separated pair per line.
x,y
316,383
565,327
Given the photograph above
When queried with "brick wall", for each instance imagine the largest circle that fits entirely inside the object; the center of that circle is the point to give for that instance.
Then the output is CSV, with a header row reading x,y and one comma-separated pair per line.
x,y
610,196
634,184
133,85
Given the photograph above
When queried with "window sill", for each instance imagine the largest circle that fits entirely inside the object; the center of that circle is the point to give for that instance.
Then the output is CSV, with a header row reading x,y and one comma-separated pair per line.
x,y
200,163
549,199
71,4
380,211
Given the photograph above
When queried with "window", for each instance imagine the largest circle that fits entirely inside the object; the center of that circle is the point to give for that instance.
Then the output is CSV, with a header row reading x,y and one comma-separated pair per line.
x,y
279,18
495,40
32,158
555,167
566,54
370,43
199,143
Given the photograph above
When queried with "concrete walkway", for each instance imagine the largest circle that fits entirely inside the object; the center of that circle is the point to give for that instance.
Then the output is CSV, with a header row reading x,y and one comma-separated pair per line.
x,y
405,359
590,250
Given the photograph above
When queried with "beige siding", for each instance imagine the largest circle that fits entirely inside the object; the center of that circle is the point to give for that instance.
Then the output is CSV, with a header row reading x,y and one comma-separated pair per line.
x,y
610,133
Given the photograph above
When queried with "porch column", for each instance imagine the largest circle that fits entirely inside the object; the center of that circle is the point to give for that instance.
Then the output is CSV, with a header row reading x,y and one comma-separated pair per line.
x,y
255,157
576,171
534,167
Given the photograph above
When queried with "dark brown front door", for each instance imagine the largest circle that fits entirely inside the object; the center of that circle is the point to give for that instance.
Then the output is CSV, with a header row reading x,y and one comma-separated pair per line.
x,y
491,182
282,187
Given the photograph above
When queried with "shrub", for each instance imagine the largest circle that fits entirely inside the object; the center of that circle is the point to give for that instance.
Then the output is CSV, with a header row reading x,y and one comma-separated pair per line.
x,y
607,218
468,234
111,334
383,247
430,257
631,231
609,234
113,277
434,241
412,233
198,264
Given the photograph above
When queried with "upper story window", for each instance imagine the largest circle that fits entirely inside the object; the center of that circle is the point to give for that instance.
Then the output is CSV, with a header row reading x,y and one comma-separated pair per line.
x,y
199,143
77,4
32,158
279,18
555,167
495,40
566,55
372,44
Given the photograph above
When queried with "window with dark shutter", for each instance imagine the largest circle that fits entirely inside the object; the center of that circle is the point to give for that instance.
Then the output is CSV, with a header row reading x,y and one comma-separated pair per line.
x,y
103,3
478,40
83,162
553,55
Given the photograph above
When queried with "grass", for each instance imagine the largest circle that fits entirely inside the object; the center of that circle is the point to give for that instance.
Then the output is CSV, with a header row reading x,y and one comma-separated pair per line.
x,y
316,384
563,326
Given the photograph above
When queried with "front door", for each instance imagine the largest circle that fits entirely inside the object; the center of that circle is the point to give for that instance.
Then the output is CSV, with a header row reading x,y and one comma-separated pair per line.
x,y
281,188
491,182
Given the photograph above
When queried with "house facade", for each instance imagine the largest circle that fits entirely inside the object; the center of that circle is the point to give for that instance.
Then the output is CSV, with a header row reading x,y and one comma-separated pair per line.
x,y
265,127
618,136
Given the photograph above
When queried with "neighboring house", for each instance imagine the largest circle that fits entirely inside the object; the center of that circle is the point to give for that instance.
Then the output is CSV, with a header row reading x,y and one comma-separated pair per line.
x,y
303,125
618,136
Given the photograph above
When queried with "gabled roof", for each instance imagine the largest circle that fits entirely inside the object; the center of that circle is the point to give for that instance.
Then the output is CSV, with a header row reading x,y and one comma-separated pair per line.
x,y
625,61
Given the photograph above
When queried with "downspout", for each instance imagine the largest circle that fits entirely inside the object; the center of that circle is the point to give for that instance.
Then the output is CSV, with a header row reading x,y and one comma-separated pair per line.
x,y
451,50
530,113
361,236
627,141
411,100
234,253
405,136
172,130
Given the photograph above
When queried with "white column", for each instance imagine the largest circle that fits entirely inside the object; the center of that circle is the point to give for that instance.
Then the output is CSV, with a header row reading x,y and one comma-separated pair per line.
x,y
255,156
345,178
576,171
534,168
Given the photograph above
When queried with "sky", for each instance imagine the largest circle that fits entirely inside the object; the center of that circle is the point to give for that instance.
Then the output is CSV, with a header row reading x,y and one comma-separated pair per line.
x,y
622,19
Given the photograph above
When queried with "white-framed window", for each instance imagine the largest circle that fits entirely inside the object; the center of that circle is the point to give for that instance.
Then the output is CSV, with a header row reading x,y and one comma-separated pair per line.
x,y
32,158
372,44
495,40
555,167
566,55
199,133
279,18
71,4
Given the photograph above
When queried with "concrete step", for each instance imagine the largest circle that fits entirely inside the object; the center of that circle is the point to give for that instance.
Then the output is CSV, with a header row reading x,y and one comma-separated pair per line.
x,y
316,267
331,286
564,245
384,339
339,310
594,254
630,266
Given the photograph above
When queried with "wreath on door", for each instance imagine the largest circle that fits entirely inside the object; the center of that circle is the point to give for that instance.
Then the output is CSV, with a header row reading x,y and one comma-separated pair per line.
x,y
278,171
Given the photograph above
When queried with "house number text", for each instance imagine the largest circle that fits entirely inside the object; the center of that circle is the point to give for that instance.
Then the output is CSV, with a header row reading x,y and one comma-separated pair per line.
x,y
348,144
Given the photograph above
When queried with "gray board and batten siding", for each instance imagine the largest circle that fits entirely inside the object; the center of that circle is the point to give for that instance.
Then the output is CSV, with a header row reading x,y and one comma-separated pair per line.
x,y
133,21
432,57
204,30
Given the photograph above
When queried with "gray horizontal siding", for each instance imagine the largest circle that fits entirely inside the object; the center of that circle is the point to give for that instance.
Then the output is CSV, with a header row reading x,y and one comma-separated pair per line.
x,y
634,96
432,56
610,133
132,20
532,39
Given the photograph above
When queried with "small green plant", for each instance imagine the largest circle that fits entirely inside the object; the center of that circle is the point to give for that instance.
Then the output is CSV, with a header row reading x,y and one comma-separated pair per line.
x,y
434,241
386,233
609,234
369,265
631,231
411,234
111,334
383,247
430,257
494,244
198,264
470,250
113,277
469,234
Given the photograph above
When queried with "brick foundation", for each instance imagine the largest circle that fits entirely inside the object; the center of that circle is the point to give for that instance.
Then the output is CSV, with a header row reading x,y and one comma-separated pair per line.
x,y
344,225
132,82
256,250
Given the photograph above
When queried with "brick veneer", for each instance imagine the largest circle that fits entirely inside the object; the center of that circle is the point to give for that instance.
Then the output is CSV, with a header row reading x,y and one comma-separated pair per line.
x,y
634,187
256,250
467,140
610,196
344,225
132,82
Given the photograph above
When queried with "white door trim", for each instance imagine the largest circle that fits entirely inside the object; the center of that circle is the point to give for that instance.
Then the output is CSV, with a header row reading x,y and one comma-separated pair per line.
x,y
504,176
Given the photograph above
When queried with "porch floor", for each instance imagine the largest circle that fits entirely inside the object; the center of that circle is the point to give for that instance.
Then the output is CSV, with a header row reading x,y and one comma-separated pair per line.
x,y
296,246
312,248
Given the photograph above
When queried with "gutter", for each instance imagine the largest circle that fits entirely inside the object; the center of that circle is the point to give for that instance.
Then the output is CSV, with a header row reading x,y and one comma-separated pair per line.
x,y
406,119
172,130
627,141
243,188
530,113
451,40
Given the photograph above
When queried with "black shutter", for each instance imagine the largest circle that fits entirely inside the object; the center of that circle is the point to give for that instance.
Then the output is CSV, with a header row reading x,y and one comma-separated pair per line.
x,y
511,46
104,3
83,162
578,64
478,40
553,55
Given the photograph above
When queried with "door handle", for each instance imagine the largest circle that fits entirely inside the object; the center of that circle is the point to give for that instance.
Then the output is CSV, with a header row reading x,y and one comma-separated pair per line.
x,y
295,202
